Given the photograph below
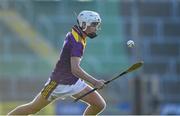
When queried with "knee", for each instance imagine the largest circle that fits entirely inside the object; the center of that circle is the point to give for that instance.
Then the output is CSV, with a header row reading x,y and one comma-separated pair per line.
x,y
100,106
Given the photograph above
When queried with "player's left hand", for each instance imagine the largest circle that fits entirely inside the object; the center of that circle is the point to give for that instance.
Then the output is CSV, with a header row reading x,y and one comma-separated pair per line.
x,y
99,84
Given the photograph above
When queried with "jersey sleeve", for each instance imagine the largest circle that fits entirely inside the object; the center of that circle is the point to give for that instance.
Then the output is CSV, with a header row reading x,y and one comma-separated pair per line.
x,y
77,49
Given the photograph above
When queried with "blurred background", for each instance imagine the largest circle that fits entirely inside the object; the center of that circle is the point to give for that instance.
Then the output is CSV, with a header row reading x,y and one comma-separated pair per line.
x,y
32,34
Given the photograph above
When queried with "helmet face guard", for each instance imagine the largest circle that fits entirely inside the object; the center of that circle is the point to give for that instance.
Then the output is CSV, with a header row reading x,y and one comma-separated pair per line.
x,y
94,34
96,25
89,18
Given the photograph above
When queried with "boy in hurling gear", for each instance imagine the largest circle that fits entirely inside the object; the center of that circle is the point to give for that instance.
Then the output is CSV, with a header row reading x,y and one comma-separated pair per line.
x,y
68,78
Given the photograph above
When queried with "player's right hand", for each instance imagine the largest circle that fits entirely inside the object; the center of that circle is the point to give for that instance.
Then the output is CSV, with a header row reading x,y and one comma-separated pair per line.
x,y
99,84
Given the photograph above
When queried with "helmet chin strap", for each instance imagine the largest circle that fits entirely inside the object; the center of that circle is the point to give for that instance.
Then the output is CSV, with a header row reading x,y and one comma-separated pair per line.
x,y
91,35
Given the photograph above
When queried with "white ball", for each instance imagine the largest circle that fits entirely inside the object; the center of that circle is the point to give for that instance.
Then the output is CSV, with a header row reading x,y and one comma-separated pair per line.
x,y
130,43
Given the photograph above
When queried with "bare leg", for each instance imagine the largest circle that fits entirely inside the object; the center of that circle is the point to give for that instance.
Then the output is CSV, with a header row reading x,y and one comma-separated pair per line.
x,y
30,108
94,100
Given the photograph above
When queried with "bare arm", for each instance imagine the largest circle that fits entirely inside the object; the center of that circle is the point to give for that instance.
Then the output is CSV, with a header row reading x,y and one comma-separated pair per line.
x,y
79,72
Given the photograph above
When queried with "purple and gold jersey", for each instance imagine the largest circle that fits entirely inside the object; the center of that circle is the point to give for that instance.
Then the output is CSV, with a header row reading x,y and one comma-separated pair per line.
x,y
74,45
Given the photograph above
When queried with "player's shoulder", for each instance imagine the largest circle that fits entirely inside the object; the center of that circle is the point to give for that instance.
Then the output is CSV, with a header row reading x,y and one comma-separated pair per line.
x,y
70,38
74,37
